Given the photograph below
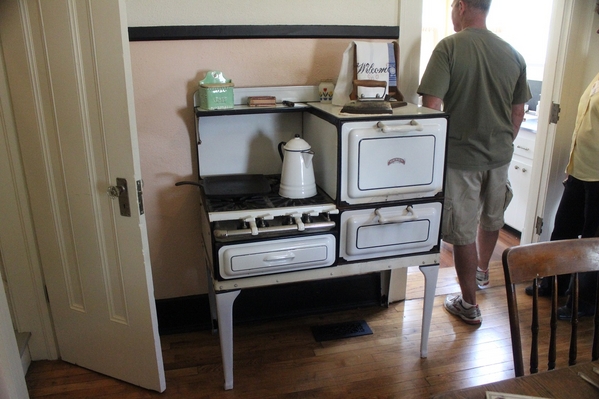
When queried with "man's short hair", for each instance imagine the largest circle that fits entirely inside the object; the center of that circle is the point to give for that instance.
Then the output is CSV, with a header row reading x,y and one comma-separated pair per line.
x,y
482,5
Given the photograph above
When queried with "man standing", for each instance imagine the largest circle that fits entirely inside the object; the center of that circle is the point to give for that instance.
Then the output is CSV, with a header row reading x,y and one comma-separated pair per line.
x,y
480,80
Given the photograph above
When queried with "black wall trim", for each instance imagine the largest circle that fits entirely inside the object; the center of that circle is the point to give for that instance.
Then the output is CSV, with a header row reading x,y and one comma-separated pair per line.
x,y
148,33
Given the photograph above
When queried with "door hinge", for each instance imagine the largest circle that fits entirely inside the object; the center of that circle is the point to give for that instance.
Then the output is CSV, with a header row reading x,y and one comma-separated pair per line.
x,y
539,225
140,196
555,109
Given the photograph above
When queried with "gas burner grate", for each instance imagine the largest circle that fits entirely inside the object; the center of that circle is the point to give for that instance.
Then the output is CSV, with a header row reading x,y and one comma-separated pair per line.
x,y
237,203
266,201
282,202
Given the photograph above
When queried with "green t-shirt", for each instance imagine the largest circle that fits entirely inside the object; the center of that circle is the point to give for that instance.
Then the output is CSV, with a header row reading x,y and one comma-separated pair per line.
x,y
478,76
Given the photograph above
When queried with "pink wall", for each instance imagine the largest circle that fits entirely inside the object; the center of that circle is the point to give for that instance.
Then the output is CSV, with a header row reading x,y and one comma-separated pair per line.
x,y
165,76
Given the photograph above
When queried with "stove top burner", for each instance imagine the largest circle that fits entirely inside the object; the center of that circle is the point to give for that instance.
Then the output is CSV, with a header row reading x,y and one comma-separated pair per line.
x,y
236,204
282,202
267,201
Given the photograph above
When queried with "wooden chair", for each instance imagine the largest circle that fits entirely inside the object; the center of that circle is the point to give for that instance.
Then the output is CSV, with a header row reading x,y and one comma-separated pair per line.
x,y
526,263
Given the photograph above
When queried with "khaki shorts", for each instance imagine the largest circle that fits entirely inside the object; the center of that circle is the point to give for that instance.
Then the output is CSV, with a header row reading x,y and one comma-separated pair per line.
x,y
473,198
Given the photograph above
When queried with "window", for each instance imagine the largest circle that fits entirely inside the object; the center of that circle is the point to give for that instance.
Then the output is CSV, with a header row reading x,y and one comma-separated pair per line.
x,y
523,24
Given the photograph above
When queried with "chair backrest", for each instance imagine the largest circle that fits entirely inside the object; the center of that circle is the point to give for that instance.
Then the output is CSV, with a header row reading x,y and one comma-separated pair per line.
x,y
527,263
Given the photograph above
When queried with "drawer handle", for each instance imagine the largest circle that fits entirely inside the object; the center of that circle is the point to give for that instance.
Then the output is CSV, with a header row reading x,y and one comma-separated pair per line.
x,y
413,125
411,215
281,258
523,148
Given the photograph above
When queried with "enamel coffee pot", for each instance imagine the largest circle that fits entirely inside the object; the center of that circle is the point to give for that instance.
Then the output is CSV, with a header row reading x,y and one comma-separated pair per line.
x,y
297,176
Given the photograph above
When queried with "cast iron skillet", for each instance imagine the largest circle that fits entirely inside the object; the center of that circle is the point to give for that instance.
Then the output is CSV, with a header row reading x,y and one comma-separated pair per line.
x,y
231,186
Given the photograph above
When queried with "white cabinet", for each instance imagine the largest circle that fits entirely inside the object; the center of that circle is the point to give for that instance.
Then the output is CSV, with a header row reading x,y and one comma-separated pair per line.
x,y
519,175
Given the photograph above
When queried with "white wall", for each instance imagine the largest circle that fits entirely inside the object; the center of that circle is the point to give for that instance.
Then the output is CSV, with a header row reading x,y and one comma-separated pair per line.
x,y
263,12
165,75
410,25
12,378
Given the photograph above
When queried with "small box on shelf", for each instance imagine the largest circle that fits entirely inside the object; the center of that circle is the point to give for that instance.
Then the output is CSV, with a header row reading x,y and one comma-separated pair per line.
x,y
262,101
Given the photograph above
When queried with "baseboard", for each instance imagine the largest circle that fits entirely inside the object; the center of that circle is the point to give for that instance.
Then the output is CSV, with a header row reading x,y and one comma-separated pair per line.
x,y
512,230
192,313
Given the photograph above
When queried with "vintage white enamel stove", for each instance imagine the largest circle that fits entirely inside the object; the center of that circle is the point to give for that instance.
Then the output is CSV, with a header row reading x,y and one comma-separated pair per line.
x,y
377,208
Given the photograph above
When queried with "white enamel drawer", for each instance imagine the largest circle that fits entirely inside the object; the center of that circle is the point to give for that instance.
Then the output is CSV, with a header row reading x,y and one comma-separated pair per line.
x,y
276,256
389,231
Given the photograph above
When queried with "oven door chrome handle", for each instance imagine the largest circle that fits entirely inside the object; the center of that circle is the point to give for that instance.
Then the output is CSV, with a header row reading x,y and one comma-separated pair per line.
x,y
411,215
280,258
412,126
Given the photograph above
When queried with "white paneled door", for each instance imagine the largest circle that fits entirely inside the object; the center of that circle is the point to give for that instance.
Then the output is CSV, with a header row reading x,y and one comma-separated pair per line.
x,y
78,136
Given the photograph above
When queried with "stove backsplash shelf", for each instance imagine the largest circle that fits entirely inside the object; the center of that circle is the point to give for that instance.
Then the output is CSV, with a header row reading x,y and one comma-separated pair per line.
x,y
259,129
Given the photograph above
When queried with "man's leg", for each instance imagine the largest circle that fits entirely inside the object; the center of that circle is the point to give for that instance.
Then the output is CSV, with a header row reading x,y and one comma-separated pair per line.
x,y
460,221
466,259
486,241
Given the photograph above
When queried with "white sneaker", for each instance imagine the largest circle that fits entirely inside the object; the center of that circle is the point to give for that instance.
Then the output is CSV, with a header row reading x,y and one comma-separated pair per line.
x,y
482,277
454,305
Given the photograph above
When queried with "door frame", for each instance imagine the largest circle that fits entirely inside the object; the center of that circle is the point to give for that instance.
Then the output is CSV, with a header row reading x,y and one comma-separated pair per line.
x,y
20,253
545,136
12,380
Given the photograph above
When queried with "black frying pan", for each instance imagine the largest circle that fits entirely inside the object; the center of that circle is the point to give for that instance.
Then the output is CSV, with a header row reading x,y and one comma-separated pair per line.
x,y
230,186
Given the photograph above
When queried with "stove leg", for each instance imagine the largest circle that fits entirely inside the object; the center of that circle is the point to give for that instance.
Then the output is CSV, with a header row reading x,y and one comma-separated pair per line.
x,y
385,287
224,309
431,273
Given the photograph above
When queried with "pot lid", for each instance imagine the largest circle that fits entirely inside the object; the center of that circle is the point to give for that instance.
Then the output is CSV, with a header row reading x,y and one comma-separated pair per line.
x,y
297,144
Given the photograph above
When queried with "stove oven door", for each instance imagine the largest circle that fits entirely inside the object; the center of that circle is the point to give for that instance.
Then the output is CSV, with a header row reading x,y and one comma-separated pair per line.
x,y
389,231
276,256
392,160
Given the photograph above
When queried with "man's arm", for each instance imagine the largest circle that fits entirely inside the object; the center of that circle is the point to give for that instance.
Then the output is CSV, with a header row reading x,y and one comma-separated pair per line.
x,y
517,117
433,102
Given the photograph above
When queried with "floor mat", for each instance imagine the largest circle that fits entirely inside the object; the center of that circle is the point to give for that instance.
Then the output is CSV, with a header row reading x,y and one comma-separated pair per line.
x,y
348,329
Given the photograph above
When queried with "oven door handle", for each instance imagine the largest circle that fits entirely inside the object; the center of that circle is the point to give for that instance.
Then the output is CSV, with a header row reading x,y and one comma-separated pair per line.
x,y
411,215
280,258
412,126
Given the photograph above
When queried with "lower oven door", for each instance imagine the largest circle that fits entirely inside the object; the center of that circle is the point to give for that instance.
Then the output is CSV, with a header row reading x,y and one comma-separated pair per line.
x,y
389,231
392,160
276,256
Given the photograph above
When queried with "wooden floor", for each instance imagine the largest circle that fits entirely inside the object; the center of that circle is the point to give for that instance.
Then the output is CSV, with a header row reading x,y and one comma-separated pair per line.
x,y
281,359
